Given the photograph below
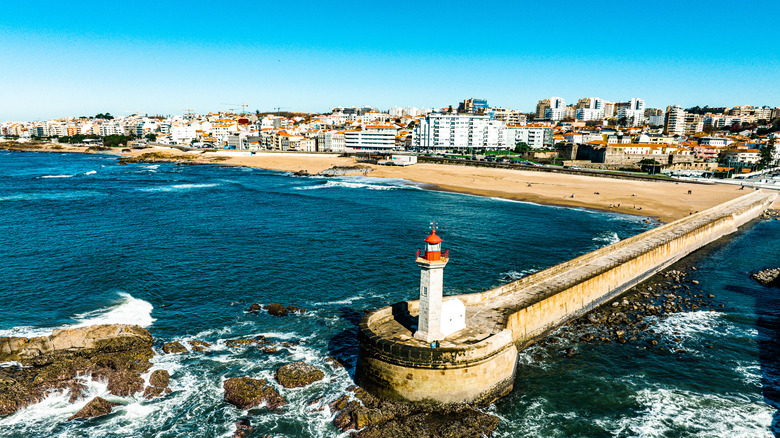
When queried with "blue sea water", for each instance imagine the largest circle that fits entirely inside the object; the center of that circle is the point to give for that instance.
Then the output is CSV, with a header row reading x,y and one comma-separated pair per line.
x,y
184,250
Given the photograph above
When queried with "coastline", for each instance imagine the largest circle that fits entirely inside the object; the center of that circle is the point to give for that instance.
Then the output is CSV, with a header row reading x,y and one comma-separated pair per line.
x,y
662,200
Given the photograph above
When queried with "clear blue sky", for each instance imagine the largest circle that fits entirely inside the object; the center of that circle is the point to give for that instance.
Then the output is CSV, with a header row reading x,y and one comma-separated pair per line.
x,y
80,58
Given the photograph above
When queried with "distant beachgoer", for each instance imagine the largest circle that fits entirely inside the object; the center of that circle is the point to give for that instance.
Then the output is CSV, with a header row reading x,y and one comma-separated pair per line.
x,y
572,195
633,194
689,192
595,193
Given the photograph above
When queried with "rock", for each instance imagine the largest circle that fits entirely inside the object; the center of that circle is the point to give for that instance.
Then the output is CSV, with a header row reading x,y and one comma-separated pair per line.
x,y
243,428
298,374
245,393
254,308
270,350
240,342
276,309
768,277
174,347
694,281
293,309
116,353
199,345
95,408
160,378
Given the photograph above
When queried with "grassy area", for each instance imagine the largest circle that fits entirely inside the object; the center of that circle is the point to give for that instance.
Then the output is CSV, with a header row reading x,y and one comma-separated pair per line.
x,y
501,153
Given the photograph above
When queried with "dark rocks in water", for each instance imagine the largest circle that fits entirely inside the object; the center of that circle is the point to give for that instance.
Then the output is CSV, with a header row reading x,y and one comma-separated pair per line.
x,y
298,374
768,277
243,428
770,213
174,347
380,418
276,309
117,353
254,308
95,408
158,384
199,345
240,342
270,350
345,170
245,393
302,173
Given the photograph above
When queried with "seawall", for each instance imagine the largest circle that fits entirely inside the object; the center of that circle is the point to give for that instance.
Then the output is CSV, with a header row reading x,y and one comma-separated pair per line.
x,y
477,364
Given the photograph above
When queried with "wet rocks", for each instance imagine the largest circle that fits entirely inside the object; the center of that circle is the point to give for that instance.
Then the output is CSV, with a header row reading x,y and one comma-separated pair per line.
x,y
345,170
254,308
174,347
277,309
116,353
380,418
246,393
298,374
158,384
199,345
95,408
769,214
302,172
244,428
768,277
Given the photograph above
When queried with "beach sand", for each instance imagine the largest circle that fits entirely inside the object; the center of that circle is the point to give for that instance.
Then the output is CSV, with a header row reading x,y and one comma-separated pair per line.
x,y
664,200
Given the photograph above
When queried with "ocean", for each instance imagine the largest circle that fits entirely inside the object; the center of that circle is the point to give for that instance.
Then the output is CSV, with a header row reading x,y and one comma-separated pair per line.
x,y
184,251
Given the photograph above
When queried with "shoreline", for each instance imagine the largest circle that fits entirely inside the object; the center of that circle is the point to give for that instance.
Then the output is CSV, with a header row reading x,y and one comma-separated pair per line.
x,y
665,201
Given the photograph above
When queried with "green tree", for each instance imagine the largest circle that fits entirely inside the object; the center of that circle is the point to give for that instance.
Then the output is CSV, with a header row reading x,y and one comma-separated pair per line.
x,y
151,137
521,147
767,152
106,116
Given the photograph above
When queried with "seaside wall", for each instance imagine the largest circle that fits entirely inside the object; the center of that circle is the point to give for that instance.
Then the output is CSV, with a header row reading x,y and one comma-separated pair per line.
x,y
393,367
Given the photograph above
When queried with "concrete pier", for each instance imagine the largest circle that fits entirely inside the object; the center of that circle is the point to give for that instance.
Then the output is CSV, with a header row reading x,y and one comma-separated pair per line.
x,y
477,364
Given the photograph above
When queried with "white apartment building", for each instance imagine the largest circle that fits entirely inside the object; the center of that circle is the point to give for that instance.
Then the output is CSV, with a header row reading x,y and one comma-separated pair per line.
x,y
458,132
590,108
509,116
371,138
674,122
331,141
536,138
557,109
634,112
183,134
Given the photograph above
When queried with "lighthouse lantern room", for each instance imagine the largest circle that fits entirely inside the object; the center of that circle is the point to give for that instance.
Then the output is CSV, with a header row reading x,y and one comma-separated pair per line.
x,y
436,320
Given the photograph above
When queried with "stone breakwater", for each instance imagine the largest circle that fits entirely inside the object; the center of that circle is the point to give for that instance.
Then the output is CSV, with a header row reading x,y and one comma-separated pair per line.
x,y
477,364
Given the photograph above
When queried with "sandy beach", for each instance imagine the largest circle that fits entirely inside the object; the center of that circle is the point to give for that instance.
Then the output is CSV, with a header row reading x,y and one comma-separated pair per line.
x,y
664,200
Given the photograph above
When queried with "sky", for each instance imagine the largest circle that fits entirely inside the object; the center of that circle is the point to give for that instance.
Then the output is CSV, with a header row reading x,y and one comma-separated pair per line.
x,y
82,58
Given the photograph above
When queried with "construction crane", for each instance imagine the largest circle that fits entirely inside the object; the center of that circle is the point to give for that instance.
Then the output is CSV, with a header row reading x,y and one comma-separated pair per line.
x,y
189,111
242,105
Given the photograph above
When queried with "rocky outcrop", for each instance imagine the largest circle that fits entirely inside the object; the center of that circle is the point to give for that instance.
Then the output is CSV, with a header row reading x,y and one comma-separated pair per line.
x,y
173,348
246,393
277,309
199,345
243,428
768,277
115,353
345,170
158,384
298,374
375,418
95,408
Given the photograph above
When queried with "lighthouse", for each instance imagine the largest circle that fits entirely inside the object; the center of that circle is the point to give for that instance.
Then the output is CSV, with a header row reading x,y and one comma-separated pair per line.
x,y
437,318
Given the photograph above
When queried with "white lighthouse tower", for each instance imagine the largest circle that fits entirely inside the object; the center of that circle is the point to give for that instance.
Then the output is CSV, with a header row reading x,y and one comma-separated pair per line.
x,y
437,318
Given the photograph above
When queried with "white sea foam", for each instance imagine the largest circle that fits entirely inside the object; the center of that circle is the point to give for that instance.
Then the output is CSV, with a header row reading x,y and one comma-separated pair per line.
x,y
516,275
57,176
349,300
607,238
179,187
91,172
129,311
667,412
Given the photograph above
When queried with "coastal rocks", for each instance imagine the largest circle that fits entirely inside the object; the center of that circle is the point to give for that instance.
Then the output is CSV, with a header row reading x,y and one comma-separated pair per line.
x,y
345,170
244,428
377,418
254,308
769,214
298,374
768,277
158,384
277,309
199,345
95,408
174,347
246,393
302,173
116,353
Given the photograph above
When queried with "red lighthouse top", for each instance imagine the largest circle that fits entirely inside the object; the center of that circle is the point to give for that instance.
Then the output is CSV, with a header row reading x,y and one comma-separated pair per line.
x,y
433,246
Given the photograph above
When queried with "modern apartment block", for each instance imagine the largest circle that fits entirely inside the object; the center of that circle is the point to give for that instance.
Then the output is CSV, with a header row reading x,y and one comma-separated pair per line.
x,y
590,108
557,109
674,123
634,112
371,138
458,132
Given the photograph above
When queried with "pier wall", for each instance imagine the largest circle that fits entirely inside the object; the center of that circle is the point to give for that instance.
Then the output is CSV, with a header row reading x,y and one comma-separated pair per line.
x,y
530,307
